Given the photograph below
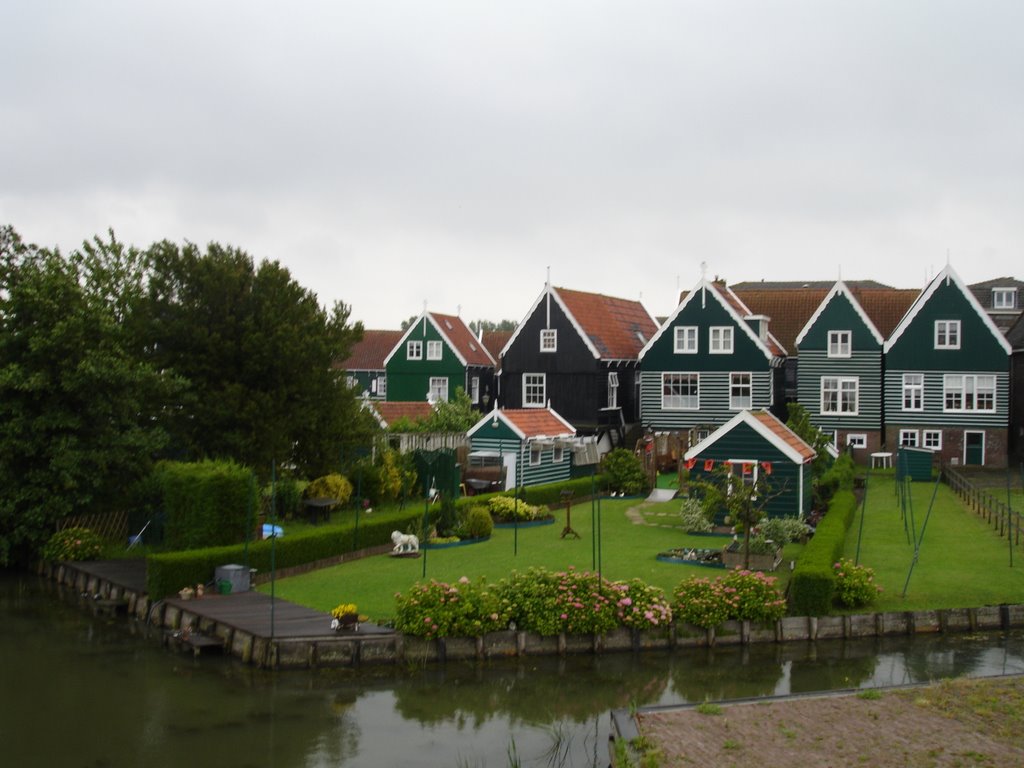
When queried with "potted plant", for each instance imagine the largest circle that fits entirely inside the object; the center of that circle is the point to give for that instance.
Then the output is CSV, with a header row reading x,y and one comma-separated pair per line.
x,y
344,616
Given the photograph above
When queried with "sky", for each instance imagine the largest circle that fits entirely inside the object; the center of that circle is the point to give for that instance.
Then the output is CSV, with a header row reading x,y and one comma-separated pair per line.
x,y
399,153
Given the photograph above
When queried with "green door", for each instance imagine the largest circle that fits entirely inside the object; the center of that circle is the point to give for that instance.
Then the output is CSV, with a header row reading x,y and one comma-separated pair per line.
x,y
974,448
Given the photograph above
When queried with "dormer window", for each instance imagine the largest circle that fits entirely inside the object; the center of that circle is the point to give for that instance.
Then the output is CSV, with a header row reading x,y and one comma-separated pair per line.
x,y
947,334
839,343
1004,298
720,340
433,350
414,350
549,340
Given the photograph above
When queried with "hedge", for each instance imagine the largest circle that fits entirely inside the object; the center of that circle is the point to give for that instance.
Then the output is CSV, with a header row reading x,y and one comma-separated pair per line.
x,y
169,572
206,503
812,586
549,494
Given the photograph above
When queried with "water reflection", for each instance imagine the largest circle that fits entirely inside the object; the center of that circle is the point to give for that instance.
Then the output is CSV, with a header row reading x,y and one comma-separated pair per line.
x,y
95,691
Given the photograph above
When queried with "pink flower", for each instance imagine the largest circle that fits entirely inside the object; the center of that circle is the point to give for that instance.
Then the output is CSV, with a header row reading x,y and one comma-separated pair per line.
x,y
464,580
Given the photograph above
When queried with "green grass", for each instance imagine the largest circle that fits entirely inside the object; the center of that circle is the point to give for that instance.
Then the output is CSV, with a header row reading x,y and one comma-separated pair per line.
x,y
962,561
628,550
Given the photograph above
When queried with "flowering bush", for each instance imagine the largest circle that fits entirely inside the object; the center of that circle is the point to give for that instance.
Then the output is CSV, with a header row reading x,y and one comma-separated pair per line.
x,y
463,609
571,601
508,508
694,517
752,595
639,605
699,601
855,584
344,609
73,544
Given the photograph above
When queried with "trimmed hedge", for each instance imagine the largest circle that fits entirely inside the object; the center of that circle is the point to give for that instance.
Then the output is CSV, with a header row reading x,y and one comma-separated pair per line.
x,y
206,503
812,586
169,572
549,494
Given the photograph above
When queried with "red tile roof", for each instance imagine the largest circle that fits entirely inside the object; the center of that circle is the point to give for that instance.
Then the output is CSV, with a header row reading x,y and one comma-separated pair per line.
x,y
537,421
618,328
369,354
463,339
785,434
390,412
495,341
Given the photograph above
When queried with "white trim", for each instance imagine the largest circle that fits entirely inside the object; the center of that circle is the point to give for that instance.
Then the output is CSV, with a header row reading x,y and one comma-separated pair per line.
x,y
497,415
686,348
549,334
840,380
947,327
747,417
963,389
859,437
438,380
695,374
1004,291
903,393
849,345
725,331
750,389
924,439
917,438
840,288
544,393
435,349
409,346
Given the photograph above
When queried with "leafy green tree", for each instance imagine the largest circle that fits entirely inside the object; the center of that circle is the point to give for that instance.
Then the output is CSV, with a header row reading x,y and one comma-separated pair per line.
x,y
624,472
79,413
744,502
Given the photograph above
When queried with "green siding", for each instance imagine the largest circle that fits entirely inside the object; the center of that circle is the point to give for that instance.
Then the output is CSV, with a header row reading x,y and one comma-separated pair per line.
x,y
713,391
866,366
838,315
504,441
409,380
933,412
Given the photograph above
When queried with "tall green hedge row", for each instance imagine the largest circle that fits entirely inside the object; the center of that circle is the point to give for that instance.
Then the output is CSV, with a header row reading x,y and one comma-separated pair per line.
x,y
168,572
813,584
206,503
549,494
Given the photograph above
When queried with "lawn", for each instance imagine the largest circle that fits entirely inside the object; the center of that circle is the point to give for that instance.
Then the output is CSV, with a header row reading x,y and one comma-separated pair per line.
x,y
628,549
962,560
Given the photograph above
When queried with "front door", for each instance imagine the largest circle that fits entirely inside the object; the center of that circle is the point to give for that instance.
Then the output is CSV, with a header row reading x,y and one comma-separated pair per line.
x,y
974,448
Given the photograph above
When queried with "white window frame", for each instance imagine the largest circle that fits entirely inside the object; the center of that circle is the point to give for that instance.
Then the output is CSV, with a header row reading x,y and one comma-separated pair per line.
x,y
913,389
536,455
686,340
1004,298
549,340
680,402
733,463
382,386
842,384
720,340
961,392
859,440
947,334
434,350
557,454
474,390
613,389
734,403
414,349
840,343
908,438
931,439
438,392
534,384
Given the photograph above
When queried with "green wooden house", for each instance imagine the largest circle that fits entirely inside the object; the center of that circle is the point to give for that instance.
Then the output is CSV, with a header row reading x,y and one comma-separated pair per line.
x,y
436,355
839,379
756,444
947,377
711,359
535,445
365,364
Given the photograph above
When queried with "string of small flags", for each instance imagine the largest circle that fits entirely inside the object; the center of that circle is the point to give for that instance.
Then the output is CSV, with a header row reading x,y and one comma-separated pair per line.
x,y
748,466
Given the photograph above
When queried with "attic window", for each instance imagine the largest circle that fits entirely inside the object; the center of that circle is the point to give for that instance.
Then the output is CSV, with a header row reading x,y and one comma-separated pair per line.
x,y
549,340
947,334
839,343
1004,298
720,340
433,350
414,350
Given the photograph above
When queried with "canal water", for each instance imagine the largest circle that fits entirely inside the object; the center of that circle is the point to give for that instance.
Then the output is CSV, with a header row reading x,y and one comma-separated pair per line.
x,y
77,689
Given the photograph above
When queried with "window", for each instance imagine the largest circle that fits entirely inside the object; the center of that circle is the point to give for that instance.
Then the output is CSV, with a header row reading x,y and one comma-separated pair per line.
x,y
352,382
908,438
968,392
535,453
613,389
558,455
534,390
680,391
747,470
857,441
947,334
474,390
438,389
382,386
839,394
414,350
932,438
720,340
685,340
1004,298
913,391
433,350
739,391
839,343
549,340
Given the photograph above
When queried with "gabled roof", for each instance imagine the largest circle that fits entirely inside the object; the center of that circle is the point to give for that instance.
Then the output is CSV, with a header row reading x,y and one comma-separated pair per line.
x,y
528,423
820,285
456,335
840,289
390,412
948,274
611,328
1015,334
495,341
766,425
370,353
733,304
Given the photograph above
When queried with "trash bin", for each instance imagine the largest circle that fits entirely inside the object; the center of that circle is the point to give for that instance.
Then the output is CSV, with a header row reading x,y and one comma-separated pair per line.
x,y
223,587
236,576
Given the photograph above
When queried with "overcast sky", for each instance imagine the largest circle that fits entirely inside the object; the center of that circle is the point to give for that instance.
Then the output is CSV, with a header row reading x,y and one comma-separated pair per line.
x,y
391,153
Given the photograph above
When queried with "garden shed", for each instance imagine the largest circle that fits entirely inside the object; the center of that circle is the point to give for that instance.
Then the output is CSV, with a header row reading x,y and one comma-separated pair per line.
x,y
756,444
532,445
915,463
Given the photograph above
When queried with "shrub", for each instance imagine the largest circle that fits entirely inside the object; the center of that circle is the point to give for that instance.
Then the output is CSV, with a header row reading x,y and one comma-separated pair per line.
x,y
447,519
837,478
571,601
287,497
695,517
753,596
73,544
698,601
478,523
506,508
640,606
855,584
333,486
813,584
206,503
624,472
782,530
463,609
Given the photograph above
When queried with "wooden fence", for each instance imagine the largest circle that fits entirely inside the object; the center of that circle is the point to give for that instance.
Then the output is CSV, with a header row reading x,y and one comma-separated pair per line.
x,y
985,504
110,526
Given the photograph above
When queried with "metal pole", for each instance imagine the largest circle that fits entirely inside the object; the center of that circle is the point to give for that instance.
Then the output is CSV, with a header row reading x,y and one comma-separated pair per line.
x,y
1009,514
917,544
593,518
273,544
863,512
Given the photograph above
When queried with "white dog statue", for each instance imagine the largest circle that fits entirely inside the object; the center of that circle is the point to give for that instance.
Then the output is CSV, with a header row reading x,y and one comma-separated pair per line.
x,y
404,542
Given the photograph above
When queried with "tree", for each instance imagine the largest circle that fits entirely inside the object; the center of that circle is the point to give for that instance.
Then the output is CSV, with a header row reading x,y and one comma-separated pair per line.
x,y
257,352
800,422
745,502
79,420
489,325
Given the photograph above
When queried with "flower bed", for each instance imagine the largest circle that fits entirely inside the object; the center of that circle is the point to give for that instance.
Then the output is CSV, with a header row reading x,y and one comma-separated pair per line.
x,y
709,558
